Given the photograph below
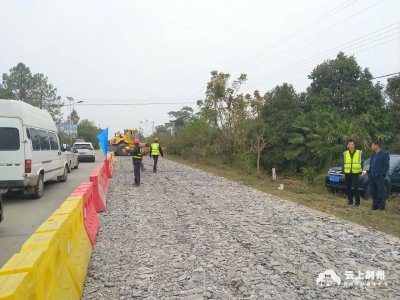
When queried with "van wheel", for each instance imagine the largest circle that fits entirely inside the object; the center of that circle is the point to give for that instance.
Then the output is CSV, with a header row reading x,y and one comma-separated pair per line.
x,y
77,165
69,167
64,177
38,188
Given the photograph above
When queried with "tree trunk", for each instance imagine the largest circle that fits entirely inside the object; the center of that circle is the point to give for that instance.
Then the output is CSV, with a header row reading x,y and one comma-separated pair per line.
x,y
258,162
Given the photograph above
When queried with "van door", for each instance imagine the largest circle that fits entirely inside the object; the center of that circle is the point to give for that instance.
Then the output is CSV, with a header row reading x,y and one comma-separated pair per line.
x,y
56,153
12,153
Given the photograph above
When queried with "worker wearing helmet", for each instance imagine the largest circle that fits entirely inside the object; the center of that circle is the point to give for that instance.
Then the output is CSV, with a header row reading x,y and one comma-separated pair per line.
x,y
137,156
155,151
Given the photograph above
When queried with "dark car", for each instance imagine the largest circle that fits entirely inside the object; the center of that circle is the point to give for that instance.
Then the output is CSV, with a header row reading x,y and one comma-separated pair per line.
x,y
335,181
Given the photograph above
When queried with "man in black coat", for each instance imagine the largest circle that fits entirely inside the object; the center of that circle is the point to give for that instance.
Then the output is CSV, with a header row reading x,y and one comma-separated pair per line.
x,y
137,155
378,168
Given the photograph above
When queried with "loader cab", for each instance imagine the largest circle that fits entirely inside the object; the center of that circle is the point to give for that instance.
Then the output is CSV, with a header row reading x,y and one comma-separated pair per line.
x,y
131,135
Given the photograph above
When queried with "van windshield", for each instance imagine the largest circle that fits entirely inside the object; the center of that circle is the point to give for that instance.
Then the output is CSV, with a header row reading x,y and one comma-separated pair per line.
x,y
83,146
9,139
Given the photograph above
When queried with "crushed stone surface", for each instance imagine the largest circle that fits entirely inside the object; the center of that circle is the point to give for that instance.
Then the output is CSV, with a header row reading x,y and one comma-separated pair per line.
x,y
188,234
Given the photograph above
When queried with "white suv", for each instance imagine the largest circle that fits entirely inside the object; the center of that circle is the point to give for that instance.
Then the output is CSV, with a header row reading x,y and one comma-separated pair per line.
x,y
85,151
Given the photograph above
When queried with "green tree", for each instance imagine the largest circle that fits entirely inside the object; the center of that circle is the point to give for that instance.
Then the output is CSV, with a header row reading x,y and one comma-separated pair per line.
x,y
342,85
280,110
44,96
320,138
74,117
19,83
88,131
35,90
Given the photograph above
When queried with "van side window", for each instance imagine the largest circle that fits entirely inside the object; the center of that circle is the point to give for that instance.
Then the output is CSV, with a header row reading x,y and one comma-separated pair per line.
x,y
53,141
44,140
9,139
35,139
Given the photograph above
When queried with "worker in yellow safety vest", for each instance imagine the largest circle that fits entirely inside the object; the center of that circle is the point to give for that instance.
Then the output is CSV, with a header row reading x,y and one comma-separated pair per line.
x,y
155,152
352,170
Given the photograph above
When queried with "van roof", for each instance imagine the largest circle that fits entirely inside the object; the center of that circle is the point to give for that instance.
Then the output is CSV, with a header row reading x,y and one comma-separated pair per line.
x,y
30,115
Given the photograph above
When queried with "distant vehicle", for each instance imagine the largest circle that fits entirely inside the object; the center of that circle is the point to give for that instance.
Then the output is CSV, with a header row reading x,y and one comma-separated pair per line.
x,y
85,151
72,157
334,180
31,151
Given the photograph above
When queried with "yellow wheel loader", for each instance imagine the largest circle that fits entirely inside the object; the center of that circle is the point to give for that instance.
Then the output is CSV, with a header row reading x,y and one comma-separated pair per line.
x,y
118,143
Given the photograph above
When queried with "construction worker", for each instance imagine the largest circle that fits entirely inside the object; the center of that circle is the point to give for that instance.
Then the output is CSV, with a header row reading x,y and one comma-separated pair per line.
x,y
137,155
155,151
352,169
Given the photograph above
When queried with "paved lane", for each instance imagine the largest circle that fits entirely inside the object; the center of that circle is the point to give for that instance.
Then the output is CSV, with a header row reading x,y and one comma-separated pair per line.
x,y
23,215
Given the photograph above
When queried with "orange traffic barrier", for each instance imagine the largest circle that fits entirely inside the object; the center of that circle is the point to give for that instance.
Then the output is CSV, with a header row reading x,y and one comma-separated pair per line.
x,y
100,187
109,163
90,218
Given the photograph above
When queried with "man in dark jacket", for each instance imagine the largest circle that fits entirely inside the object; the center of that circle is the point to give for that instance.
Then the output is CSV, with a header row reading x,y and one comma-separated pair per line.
x,y
137,155
155,152
379,166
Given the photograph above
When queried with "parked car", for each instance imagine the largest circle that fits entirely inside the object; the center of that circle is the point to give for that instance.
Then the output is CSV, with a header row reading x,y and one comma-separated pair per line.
x,y
31,151
72,157
335,181
85,151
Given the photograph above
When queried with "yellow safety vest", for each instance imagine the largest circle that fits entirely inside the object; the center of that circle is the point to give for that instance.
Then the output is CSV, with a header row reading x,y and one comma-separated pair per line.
x,y
352,165
154,149
140,155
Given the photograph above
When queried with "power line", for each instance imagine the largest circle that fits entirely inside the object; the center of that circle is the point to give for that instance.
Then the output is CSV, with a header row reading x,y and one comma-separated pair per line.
x,y
352,16
311,60
386,75
306,39
132,104
279,77
293,34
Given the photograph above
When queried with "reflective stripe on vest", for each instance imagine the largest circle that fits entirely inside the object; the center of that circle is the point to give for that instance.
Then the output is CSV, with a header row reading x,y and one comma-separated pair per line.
x,y
139,156
154,149
352,165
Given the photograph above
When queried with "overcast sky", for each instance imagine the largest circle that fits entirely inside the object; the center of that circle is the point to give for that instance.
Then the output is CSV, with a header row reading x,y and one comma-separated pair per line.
x,y
162,51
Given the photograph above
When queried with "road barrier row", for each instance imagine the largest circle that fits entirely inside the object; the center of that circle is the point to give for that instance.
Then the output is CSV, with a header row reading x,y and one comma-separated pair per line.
x,y
53,262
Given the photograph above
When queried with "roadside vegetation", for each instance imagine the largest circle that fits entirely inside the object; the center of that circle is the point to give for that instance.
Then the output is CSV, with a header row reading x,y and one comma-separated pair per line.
x,y
301,134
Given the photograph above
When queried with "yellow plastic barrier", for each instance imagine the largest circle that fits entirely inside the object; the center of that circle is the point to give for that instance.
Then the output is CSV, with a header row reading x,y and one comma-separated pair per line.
x,y
53,262
15,287
64,287
41,276
80,248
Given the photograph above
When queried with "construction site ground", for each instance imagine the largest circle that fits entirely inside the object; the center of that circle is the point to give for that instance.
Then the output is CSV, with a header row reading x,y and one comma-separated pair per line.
x,y
188,234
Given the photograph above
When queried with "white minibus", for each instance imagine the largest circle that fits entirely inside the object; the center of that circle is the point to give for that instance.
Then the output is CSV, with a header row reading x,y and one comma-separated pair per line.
x,y
31,151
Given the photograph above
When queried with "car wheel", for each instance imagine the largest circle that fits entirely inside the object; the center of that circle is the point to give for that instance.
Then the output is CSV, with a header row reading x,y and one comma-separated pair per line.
x,y
93,159
38,193
69,167
64,177
367,192
77,165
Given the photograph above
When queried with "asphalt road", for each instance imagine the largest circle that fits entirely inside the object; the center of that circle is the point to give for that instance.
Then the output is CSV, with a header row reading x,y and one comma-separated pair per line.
x,y
22,215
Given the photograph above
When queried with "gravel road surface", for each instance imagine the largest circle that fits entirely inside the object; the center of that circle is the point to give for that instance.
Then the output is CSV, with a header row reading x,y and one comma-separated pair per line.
x,y
187,234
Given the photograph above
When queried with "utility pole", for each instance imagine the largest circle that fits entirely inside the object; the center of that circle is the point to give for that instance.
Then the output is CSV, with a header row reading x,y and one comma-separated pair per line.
x,y
146,129
152,131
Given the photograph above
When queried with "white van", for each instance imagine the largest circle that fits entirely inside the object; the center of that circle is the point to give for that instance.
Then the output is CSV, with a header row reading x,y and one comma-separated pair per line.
x,y
31,151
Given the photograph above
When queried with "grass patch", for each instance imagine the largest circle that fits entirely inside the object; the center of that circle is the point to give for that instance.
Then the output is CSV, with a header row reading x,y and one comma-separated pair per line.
x,y
314,196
